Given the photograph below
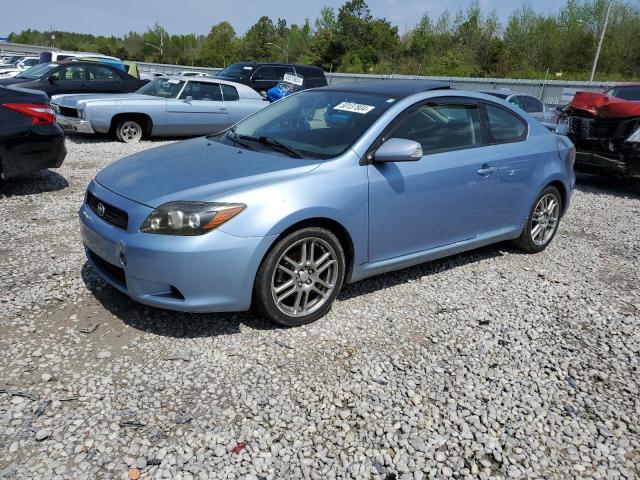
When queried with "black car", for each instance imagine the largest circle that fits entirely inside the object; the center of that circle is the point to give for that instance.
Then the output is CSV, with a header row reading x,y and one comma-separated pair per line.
x,y
75,77
30,139
263,76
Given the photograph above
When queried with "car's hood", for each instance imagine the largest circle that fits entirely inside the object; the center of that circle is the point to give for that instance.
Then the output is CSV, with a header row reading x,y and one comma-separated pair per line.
x,y
603,106
72,99
197,170
14,80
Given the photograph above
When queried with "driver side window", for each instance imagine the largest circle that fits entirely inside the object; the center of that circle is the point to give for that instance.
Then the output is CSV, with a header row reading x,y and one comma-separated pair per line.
x,y
441,128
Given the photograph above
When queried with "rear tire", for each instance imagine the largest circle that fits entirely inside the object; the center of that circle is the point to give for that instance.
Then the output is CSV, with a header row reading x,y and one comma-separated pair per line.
x,y
542,222
300,277
129,130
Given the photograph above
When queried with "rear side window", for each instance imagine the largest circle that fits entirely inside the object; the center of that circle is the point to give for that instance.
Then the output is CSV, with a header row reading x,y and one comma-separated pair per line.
x,y
504,126
202,91
441,128
229,93
98,72
533,105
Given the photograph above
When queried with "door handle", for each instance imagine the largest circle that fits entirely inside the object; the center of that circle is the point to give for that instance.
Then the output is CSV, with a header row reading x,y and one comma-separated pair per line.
x,y
222,109
486,170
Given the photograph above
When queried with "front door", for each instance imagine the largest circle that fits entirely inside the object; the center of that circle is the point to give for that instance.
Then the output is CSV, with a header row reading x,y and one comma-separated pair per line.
x,y
444,198
199,110
69,78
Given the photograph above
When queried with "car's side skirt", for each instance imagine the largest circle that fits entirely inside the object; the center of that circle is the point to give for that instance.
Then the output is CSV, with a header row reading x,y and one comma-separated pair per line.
x,y
366,270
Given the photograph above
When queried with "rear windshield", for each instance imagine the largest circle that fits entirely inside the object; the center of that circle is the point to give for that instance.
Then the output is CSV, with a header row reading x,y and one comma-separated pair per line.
x,y
625,93
237,70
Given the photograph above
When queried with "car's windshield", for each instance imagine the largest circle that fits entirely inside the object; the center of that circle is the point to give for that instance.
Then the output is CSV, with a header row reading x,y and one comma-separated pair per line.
x,y
237,71
625,93
37,71
162,87
316,123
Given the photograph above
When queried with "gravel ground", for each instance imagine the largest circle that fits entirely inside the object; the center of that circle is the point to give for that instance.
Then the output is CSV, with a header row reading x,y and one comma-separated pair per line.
x,y
488,364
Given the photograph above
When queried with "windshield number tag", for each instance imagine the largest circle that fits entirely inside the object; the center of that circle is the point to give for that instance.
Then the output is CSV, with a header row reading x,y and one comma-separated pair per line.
x,y
353,107
295,79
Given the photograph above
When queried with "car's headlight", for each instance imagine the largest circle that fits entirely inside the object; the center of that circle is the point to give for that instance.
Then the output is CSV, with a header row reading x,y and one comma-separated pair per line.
x,y
189,218
635,136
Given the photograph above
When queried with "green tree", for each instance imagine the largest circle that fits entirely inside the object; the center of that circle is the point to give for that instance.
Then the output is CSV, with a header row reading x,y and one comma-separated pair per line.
x,y
221,46
257,39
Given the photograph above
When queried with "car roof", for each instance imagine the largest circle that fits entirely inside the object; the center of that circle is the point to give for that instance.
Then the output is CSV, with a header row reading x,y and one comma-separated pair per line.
x,y
242,88
260,64
391,88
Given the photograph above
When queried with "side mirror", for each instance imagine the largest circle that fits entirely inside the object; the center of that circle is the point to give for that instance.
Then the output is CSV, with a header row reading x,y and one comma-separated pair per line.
x,y
398,150
562,129
51,79
188,99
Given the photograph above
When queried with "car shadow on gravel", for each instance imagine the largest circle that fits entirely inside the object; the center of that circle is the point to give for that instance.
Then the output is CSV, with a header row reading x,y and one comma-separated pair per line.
x,y
32,184
619,187
166,322
400,277
86,138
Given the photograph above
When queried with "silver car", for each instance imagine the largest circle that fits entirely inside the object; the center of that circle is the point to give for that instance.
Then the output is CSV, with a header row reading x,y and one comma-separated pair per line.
x,y
164,107
527,103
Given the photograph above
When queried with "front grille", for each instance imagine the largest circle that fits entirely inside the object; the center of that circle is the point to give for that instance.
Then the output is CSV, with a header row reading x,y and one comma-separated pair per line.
x,y
68,112
108,213
114,272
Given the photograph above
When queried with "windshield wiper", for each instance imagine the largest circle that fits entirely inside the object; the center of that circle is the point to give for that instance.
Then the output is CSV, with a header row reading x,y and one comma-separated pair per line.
x,y
233,136
272,142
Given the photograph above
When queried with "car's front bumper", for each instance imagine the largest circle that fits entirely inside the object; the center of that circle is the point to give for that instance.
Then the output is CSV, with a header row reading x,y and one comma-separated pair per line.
x,y
74,124
208,273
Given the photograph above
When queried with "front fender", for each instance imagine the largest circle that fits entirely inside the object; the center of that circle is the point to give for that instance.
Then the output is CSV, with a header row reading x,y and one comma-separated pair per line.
x,y
337,190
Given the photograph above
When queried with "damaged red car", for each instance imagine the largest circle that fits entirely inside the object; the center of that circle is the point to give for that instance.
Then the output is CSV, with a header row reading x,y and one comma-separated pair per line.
x,y
605,128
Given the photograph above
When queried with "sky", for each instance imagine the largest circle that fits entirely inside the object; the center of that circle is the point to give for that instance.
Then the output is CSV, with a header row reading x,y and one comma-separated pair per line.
x,y
116,17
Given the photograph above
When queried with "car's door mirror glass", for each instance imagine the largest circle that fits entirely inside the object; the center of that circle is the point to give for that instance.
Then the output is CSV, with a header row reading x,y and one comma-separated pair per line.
x,y
398,150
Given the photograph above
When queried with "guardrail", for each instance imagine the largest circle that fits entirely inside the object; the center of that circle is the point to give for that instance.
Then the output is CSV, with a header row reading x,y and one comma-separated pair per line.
x,y
551,92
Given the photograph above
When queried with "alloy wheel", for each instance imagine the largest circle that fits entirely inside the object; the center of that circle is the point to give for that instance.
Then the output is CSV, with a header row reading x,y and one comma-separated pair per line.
x,y
305,276
130,132
545,219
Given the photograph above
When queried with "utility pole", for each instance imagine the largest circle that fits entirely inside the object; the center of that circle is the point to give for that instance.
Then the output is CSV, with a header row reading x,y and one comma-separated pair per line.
x,y
602,33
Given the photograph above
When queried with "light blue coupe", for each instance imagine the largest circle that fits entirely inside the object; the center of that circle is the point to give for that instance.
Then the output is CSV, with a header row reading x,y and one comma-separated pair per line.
x,y
325,187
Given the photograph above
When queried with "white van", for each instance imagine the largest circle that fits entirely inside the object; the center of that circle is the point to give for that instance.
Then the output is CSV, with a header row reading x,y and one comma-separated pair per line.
x,y
47,57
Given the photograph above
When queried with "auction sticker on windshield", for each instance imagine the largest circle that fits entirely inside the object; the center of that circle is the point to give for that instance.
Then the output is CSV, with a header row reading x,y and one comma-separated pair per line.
x,y
353,107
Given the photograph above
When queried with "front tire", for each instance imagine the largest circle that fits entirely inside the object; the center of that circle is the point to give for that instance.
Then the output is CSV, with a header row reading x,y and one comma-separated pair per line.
x,y
129,131
300,277
542,222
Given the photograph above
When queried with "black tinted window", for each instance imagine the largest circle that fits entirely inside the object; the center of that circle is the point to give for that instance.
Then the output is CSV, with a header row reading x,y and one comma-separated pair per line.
x,y
229,93
531,105
505,126
441,128
265,73
625,93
